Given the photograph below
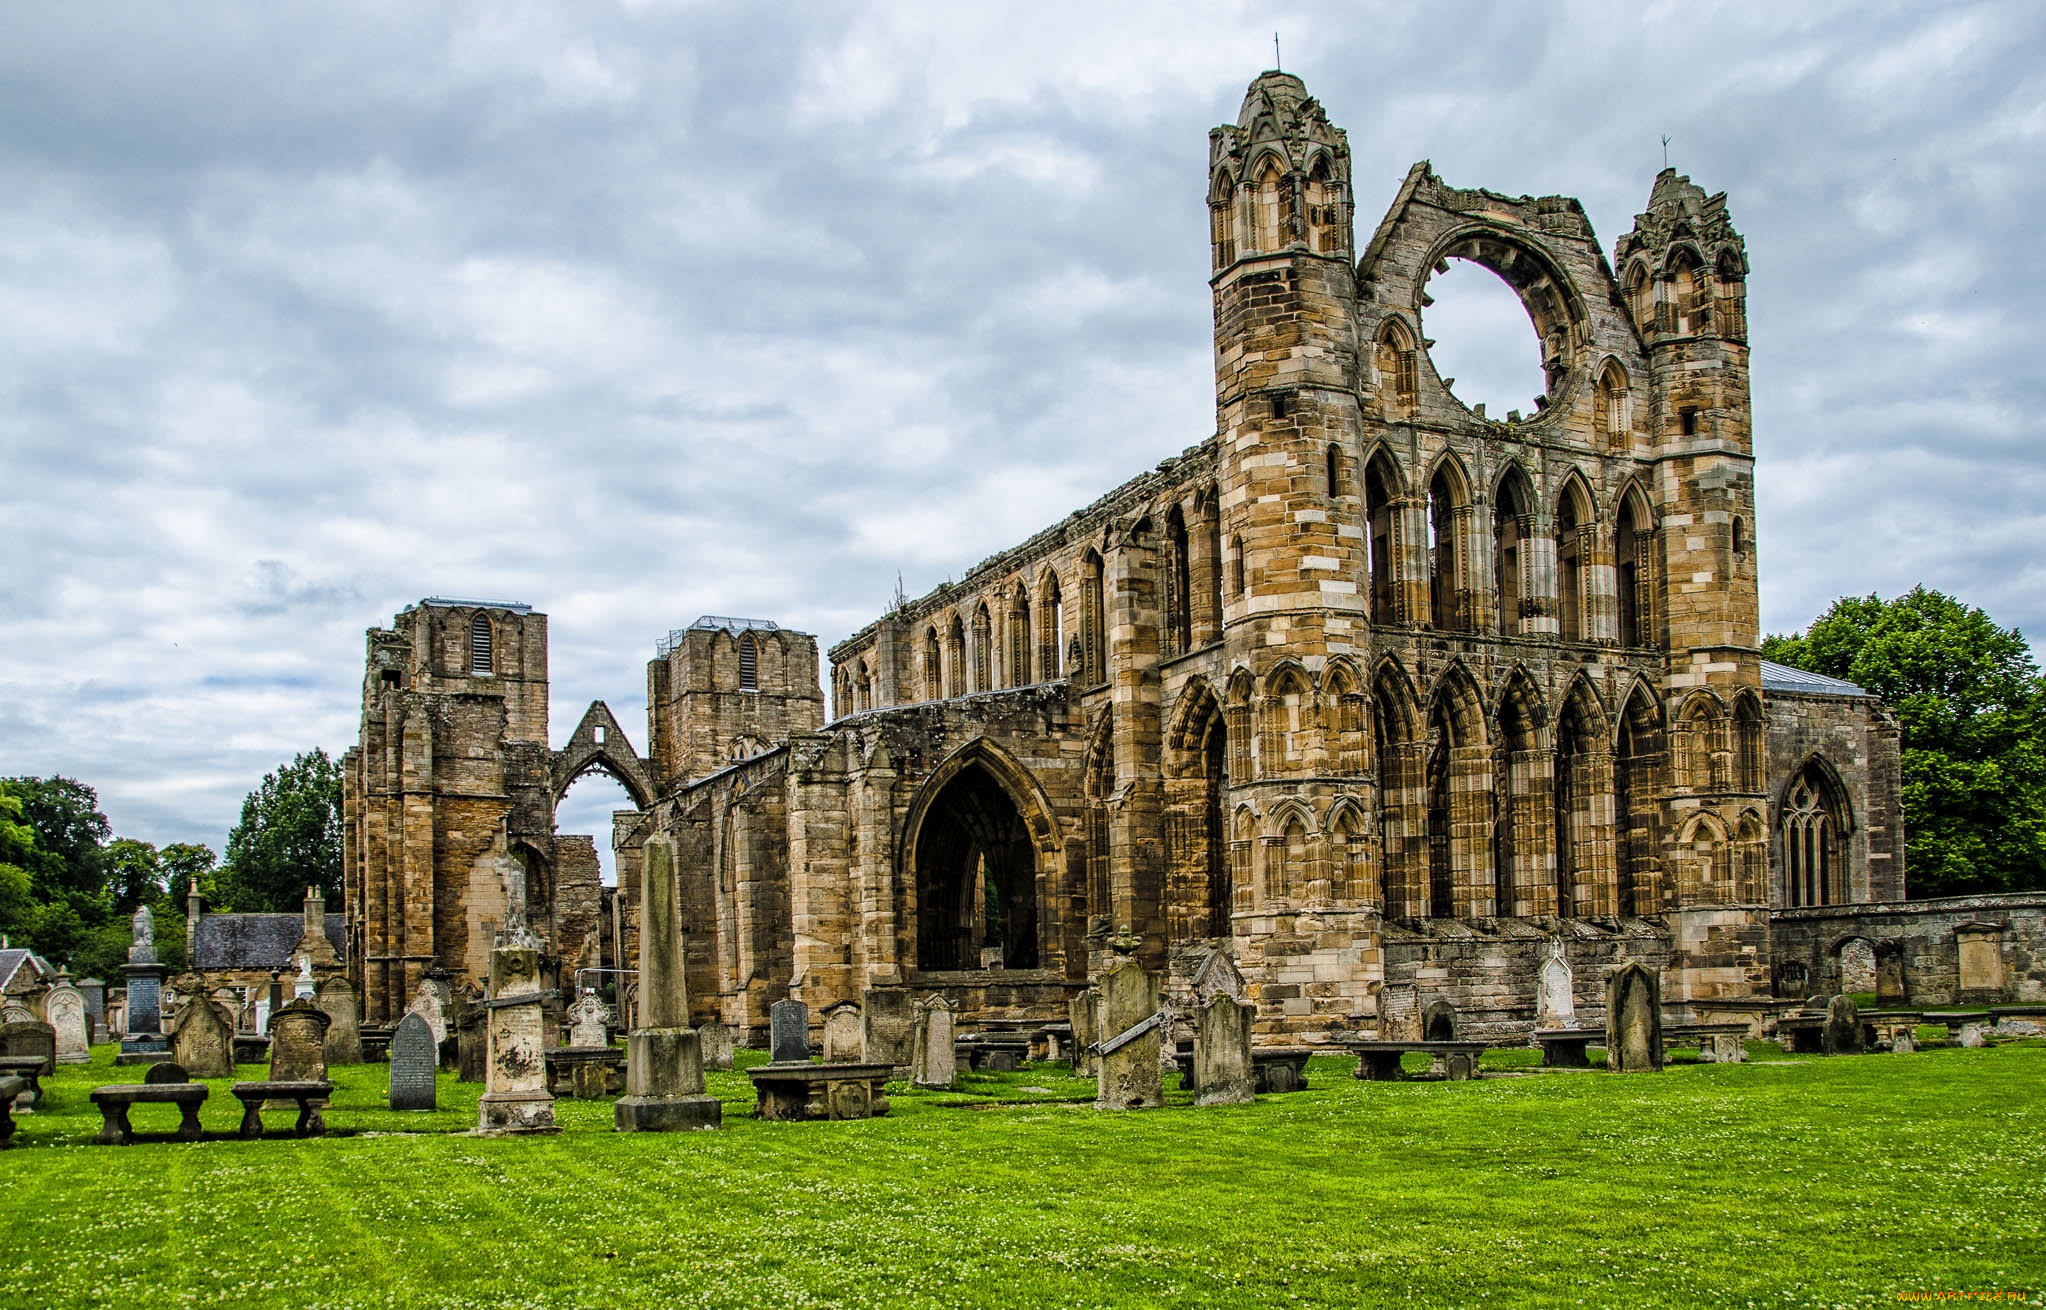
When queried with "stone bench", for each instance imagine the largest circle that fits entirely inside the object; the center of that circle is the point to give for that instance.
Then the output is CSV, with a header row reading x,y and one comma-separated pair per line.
x,y
994,1052
11,1086
1380,1061
792,1092
116,1100
29,1069
1567,1048
308,1096
1967,1027
1717,1043
585,1072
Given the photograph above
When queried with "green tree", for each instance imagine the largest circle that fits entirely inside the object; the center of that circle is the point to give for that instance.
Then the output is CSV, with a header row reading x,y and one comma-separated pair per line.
x,y
71,835
134,874
17,852
289,838
186,864
1971,708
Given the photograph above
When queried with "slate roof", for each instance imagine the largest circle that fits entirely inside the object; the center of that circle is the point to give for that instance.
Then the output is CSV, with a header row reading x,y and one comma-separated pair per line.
x,y
11,961
253,941
1781,677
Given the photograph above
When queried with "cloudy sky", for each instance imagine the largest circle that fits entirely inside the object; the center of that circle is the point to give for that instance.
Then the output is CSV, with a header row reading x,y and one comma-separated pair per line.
x,y
645,311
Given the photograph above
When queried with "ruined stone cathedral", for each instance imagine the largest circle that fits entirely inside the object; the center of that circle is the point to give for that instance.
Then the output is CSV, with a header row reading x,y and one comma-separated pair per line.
x,y
1383,696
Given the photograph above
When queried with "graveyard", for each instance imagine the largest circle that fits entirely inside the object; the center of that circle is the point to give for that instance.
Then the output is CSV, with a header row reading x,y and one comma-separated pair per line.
x,y
1784,1179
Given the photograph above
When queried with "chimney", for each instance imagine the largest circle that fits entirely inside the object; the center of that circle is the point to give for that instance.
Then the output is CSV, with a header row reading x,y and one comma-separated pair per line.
x,y
315,912
194,907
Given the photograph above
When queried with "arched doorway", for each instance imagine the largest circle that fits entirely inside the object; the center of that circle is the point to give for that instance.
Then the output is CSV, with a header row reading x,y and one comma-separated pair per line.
x,y
976,878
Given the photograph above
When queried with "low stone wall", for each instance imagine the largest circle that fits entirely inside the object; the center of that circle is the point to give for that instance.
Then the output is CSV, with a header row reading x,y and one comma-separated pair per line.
x,y
1954,951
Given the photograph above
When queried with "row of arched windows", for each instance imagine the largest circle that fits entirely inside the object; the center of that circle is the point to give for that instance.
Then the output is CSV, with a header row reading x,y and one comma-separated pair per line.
x,y
1687,297
1275,206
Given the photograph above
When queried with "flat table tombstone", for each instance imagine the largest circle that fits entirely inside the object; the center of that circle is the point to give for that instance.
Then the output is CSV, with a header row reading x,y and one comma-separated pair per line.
x,y
413,1065
1968,1027
28,1070
1567,1048
792,1091
1379,1061
30,1037
1802,1034
1718,1043
788,1032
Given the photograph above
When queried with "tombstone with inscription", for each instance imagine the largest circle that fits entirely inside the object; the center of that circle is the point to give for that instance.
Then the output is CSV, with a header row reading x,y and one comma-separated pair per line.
x,y
344,1028
204,1040
714,1040
842,1033
937,1030
1222,1066
298,1043
788,1032
1842,1034
1555,1005
887,1026
1128,1074
515,1099
1399,1013
664,1087
15,1013
589,1021
64,1010
413,1065
1633,1019
145,1042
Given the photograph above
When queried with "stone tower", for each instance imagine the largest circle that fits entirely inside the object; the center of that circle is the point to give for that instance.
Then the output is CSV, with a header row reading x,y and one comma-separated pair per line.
x,y
446,798
725,689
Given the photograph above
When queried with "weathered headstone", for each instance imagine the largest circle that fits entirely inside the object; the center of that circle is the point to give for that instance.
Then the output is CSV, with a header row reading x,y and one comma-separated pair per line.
x,y
589,1021
1083,1009
1399,1013
1128,1075
937,1043
1222,1067
145,1041
22,1037
788,1032
413,1065
298,1043
430,1002
1555,1003
664,1088
166,1071
888,1027
64,1010
13,1013
1218,976
842,1033
467,1019
1633,1019
204,1040
515,1097
714,1041
1889,979
344,1029
1842,1035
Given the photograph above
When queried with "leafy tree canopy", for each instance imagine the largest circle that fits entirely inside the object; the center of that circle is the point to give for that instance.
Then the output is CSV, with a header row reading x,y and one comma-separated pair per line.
x,y
1971,707
289,838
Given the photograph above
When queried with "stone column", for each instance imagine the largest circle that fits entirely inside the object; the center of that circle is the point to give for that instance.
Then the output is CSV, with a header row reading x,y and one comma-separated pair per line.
x,y
1128,1076
663,1059
145,1042
516,1099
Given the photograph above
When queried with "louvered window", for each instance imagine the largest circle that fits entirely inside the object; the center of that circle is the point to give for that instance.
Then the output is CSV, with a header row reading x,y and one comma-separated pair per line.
x,y
479,647
749,663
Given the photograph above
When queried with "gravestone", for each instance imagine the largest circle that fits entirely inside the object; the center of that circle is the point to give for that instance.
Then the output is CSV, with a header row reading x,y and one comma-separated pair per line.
x,y
788,1024
303,986
30,1037
937,1031
262,1012
344,1031
589,1021
1633,1019
887,1027
714,1040
1399,1013
1438,1022
1222,1065
466,1020
1889,981
430,1002
664,1088
414,1062
515,1099
1218,976
298,1043
145,1041
1128,1076
12,1013
1555,1003
1083,1009
1978,946
64,1010
166,1071
204,1040
1842,1035
842,1034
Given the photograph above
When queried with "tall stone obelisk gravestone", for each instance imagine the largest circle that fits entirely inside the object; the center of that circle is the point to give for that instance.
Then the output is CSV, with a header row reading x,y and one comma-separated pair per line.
x,y
145,1042
1127,1074
663,1058
515,1097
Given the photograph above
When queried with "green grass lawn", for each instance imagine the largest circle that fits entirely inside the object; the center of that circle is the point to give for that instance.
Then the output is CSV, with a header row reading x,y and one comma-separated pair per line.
x,y
1784,1181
